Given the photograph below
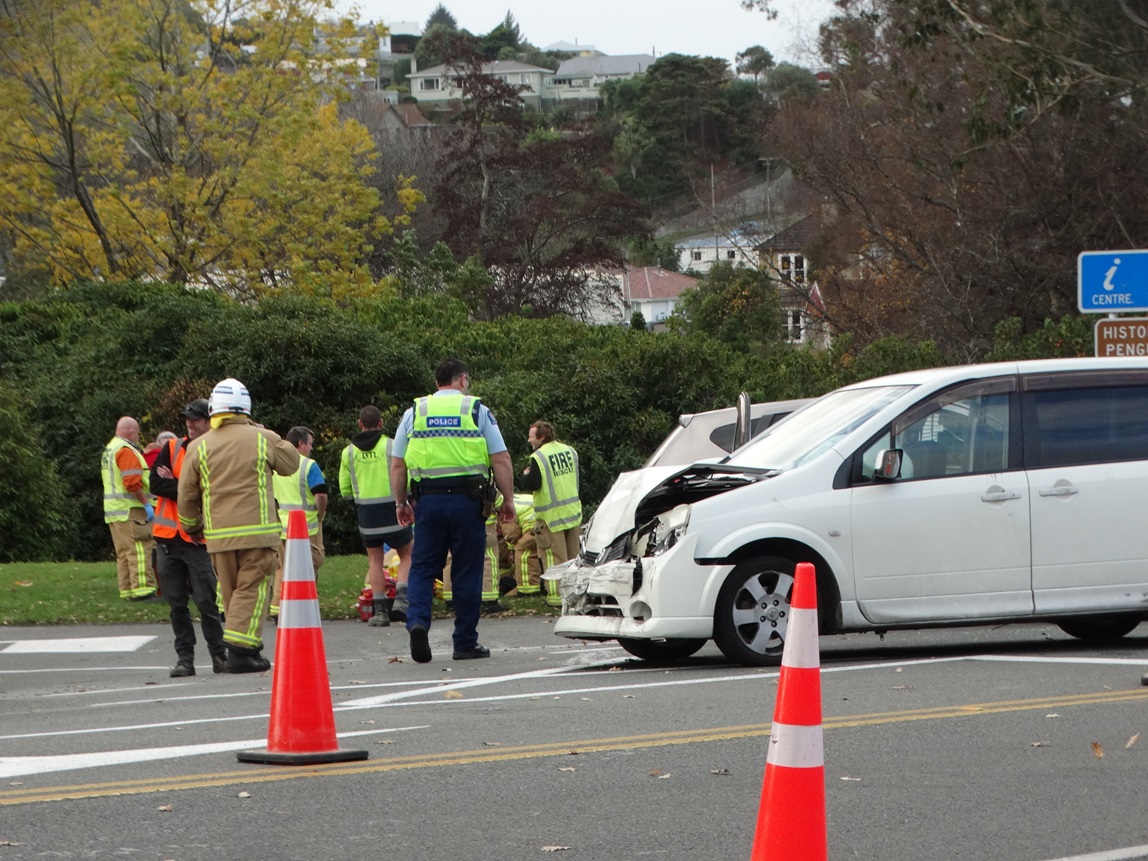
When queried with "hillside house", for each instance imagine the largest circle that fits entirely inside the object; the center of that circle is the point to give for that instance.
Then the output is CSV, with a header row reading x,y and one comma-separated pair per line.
x,y
438,86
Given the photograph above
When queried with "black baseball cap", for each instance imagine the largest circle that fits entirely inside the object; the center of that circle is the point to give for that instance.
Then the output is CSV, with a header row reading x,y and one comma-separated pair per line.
x,y
197,409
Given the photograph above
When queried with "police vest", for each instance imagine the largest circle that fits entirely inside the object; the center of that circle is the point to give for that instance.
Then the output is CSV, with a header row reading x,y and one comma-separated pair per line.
x,y
445,441
118,503
166,523
293,494
370,474
556,502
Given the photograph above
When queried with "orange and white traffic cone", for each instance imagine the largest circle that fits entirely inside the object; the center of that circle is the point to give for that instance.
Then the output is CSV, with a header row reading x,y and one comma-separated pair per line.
x,y
791,819
302,727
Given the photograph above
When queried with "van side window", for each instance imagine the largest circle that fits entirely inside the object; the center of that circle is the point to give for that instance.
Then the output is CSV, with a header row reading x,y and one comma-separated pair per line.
x,y
1072,426
961,432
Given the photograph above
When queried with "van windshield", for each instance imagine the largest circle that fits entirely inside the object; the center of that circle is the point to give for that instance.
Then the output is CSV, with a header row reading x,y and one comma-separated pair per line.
x,y
817,427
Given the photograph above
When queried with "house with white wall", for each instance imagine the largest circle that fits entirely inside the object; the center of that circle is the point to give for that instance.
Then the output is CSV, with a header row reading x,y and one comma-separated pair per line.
x,y
654,292
438,86
579,78
698,253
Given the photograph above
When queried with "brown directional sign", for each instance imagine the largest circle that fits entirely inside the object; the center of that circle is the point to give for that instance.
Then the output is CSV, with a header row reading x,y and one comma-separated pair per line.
x,y
1122,336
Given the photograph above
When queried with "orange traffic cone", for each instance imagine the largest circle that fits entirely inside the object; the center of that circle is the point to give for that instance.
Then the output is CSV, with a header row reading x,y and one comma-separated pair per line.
x,y
302,727
791,820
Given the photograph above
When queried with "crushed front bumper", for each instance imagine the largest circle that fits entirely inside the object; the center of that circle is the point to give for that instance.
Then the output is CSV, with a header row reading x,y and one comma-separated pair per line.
x,y
624,599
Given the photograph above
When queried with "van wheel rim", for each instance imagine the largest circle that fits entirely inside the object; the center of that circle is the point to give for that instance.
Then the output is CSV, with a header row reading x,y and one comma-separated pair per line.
x,y
761,611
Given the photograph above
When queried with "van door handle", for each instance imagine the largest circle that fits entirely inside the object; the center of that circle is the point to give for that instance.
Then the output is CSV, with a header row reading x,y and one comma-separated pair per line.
x,y
999,495
1059,490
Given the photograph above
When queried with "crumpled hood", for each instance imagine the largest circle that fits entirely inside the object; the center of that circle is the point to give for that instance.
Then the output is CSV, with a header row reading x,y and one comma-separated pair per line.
x,y
615,514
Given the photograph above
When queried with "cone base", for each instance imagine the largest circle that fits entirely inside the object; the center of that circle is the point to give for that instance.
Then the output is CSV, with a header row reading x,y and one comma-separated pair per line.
x,y
273,758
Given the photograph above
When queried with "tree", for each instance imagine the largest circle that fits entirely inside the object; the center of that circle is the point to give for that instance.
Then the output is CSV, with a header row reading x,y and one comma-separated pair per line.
x,y
737,306
969,161
441,15
125,153
33,506
532,205
786,82
503,42
754,60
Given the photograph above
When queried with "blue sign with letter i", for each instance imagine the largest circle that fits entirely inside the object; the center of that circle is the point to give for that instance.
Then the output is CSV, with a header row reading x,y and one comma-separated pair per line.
x,y
1112,281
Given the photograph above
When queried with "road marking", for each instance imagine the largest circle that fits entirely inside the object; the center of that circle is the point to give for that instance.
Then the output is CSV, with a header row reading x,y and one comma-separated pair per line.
x,y
1128,854
75,645
22,766
560,748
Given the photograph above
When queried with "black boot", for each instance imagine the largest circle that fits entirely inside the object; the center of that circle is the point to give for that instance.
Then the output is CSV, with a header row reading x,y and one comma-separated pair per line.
x,y
183,667
218,659
379,618
400,604
240,660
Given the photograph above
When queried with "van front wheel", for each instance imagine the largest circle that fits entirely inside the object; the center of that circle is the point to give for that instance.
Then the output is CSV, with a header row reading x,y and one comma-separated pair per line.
x,y
751,618
661,650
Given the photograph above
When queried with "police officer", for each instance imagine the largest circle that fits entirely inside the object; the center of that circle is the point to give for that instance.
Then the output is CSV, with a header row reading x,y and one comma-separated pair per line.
x,y
552,475
226,492
449,445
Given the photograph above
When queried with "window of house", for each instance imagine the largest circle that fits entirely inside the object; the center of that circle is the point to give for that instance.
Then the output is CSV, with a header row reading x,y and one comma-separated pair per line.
x,y
792,268
429,84
731,254
696,255
524,78
792,329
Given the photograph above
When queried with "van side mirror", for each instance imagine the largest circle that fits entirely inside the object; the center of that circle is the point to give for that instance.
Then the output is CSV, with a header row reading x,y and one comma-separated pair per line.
x,y
888,465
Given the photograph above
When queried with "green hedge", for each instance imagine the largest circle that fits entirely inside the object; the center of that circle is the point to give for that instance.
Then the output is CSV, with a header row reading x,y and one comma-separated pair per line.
x,y
72,362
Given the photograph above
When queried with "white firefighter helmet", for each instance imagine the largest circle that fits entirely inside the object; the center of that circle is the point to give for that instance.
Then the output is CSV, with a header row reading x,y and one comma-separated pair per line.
x,y
229,396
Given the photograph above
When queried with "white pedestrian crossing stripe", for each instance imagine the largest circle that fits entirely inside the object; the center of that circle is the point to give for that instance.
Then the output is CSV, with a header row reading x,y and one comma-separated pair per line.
x,y
75,645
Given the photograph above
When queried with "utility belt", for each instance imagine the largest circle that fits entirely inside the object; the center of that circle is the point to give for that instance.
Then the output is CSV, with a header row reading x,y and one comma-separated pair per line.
x,y
477,487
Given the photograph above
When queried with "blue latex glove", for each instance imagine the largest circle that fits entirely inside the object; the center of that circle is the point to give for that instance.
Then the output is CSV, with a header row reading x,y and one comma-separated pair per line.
x,y
150,512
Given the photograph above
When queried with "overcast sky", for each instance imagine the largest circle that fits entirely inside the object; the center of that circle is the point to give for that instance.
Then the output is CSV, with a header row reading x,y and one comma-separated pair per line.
x,y
714,28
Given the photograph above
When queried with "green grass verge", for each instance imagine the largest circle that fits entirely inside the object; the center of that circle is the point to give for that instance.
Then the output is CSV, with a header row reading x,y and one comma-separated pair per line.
x,y
75,593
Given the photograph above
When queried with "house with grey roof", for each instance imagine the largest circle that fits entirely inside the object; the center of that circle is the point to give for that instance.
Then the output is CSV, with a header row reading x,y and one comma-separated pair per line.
x,y
579,78
438,86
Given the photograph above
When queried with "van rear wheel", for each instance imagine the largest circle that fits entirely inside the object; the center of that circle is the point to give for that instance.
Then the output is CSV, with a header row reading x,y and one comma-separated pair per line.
x,y
751,617
1099,627
661,650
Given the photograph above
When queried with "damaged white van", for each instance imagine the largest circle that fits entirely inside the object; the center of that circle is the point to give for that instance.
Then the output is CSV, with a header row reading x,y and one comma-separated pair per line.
x,y
969,495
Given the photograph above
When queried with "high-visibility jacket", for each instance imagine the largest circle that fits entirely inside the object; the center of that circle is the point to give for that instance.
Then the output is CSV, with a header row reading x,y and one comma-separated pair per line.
x,y
118,503
556,502
166,523
226,490
366,475
445,441
292,493
524,509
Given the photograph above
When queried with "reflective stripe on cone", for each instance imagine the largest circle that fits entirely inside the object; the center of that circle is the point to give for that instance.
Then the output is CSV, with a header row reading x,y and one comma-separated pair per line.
x,y
791,818
302,726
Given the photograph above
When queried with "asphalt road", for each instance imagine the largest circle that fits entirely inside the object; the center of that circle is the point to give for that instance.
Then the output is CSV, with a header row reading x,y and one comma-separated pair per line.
x,y
1009,744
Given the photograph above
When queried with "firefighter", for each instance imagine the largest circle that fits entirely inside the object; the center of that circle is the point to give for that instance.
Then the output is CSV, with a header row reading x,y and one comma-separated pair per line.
x,y
226,492
552,475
